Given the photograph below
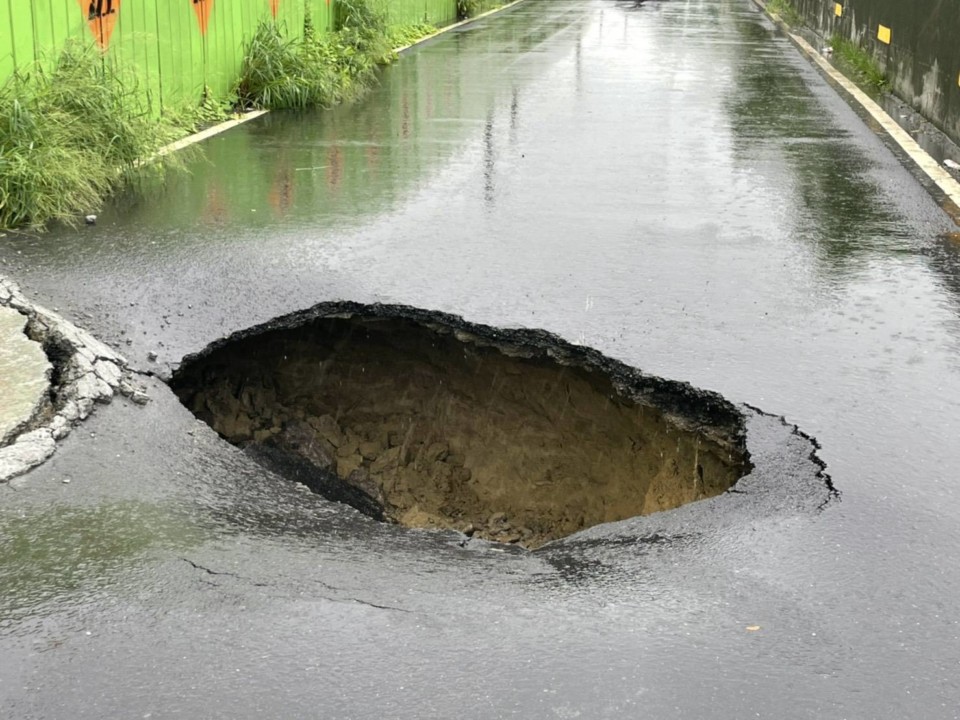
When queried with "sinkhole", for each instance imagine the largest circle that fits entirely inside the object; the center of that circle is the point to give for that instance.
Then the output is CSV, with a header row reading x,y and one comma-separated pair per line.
x,y
425,420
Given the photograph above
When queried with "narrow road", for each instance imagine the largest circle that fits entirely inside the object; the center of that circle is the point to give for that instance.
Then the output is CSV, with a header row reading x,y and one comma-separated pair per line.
x,y
670,183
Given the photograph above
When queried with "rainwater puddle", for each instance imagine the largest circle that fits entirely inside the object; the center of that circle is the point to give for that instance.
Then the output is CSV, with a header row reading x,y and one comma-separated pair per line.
x,y
422,419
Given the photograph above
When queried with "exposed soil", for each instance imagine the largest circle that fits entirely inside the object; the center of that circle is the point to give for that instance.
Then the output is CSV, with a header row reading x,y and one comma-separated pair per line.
x,y
427,421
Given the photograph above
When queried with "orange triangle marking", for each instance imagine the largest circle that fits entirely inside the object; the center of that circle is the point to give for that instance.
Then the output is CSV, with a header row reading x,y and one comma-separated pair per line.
x,y
202,8
107,23
101,16
274,7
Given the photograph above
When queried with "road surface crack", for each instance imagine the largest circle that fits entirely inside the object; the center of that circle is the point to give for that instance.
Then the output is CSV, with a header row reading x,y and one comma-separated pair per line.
x,y
328,586
208,571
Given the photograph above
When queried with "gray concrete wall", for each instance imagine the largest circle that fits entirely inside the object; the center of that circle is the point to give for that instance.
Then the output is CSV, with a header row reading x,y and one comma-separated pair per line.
x,y
922,59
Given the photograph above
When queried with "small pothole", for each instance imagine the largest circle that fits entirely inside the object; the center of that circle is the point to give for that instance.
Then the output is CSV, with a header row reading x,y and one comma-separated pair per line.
x,y
425,420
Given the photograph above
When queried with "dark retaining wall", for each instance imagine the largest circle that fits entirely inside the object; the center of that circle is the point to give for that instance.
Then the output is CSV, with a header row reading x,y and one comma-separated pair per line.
x,y
922,59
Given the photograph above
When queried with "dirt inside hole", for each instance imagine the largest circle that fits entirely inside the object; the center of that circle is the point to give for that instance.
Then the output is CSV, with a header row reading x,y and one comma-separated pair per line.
x,y
424,420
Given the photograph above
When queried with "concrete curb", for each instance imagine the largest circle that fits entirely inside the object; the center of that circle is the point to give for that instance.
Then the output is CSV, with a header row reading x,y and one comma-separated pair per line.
x,y
86,372
930,167
208,133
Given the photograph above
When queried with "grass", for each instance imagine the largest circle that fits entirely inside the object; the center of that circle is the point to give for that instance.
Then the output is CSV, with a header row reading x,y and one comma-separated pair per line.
x,y
71,136
210,111
787,12
317,69
399,36
857,63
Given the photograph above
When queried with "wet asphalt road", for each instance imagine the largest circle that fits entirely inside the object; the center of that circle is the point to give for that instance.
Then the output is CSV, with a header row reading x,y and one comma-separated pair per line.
x,y
671,184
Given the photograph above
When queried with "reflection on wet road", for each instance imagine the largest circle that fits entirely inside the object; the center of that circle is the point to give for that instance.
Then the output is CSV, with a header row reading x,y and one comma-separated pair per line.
x,y
670,184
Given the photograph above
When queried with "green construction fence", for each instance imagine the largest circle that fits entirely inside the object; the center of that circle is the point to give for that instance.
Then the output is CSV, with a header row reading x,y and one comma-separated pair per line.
x,y
175,48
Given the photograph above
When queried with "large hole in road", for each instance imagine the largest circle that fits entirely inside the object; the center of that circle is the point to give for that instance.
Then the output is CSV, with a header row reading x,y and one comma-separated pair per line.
x,y
428,421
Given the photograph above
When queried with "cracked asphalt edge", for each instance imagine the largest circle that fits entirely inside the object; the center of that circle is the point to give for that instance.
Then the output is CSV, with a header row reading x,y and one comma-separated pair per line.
x,y
86,373
833,492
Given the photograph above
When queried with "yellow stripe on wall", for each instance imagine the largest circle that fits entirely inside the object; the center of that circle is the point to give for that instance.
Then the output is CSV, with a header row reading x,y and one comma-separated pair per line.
x,y
883,34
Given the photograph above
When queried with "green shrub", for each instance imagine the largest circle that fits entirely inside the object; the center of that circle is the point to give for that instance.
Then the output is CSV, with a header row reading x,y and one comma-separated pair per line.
x,y
363,27
70,136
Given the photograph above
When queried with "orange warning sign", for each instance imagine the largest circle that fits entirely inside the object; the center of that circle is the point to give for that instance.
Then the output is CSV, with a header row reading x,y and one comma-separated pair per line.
x,y
101,18
203,8
274,7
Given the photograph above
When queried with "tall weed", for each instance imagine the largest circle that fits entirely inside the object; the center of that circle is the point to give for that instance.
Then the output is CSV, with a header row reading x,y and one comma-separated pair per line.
x,y
318,68
70,136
